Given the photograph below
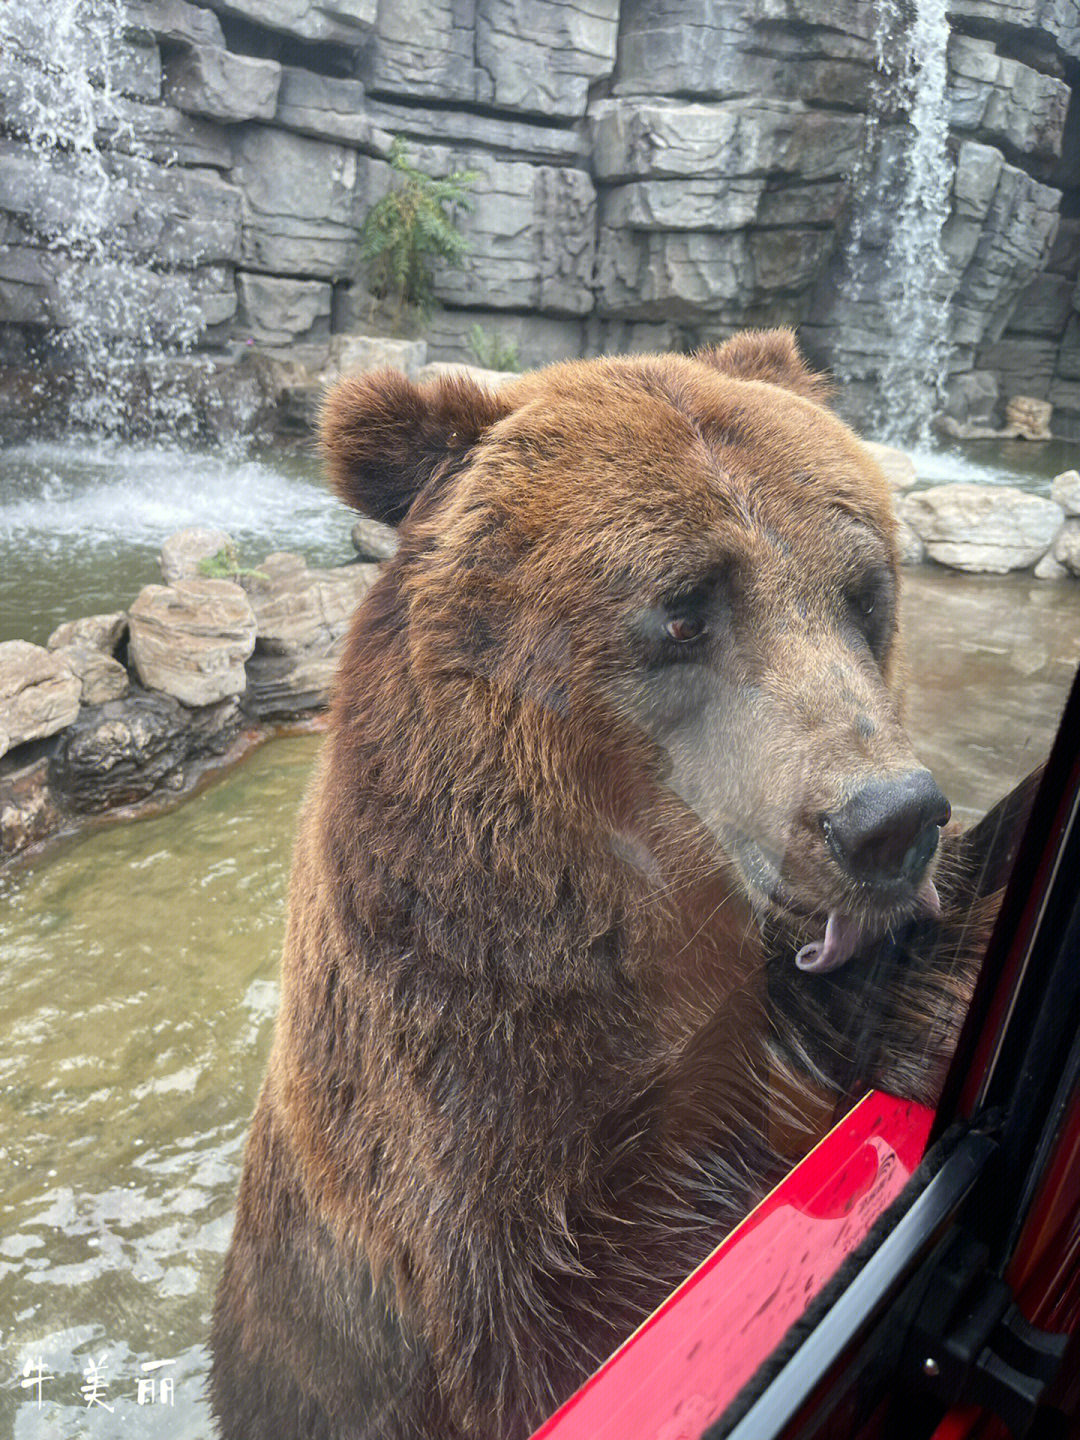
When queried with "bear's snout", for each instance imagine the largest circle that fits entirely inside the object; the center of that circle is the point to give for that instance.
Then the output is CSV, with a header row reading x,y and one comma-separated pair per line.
x,y
888,830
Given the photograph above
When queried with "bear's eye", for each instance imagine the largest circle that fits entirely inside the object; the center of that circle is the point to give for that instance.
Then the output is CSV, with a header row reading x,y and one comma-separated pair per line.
x,y
684,628
868,604
685,615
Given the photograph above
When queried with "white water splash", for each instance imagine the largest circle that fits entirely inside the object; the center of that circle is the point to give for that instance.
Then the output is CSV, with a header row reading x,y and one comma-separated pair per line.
x,y
85,196
914,374
895,269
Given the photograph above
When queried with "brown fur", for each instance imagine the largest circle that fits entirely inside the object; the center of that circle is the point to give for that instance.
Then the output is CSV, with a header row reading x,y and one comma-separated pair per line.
x,y
533,1005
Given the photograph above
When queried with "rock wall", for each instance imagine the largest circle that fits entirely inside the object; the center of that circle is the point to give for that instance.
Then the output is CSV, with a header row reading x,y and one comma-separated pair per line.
x,y
651,173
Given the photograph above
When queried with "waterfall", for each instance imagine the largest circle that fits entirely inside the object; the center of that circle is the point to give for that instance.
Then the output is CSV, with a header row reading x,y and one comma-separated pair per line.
x,y
896,280
89,198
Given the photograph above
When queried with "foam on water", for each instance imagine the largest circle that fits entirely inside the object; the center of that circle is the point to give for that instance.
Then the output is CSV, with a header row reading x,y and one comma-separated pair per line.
x,y
82,521
100,492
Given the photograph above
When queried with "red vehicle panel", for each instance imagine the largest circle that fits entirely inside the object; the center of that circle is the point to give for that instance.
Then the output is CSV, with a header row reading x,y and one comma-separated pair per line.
x,y
685,1364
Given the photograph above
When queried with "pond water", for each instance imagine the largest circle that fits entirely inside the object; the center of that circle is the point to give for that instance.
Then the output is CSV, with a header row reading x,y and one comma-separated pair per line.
x,y
81,523
140,959
140,982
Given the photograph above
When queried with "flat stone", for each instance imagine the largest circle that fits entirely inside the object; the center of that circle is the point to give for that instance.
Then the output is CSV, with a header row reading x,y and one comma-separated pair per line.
x,y
528,140
357,354
122,752
150,212
102,677
1003,99
716,50
39,693
221,85
541,56
531,233
1044,307
99,632
304,201
174,20
344,21
183,552
988,529
190,640
300,610
275,311
425,49
654,139
329,109
1065,490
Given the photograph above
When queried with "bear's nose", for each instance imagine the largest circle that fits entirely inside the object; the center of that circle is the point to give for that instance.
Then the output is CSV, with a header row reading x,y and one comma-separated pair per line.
x,y
889,828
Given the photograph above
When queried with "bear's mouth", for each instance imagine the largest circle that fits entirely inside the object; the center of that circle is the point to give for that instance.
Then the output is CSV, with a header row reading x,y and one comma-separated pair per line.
x,y
843,927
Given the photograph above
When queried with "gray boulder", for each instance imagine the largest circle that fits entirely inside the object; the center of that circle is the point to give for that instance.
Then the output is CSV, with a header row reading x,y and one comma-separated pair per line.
x,y
541,56
102,677
190,640
327,108
183,552
221,85
304,200
100,632
344,21
124,751
39,693
1004,100
274,311
982,528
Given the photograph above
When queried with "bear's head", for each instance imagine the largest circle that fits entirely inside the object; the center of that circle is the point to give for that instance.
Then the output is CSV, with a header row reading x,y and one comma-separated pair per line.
x,y
663,585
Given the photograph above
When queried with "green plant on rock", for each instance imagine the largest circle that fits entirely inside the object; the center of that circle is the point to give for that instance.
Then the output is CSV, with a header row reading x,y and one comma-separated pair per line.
x,y
491,352
411,226
224,564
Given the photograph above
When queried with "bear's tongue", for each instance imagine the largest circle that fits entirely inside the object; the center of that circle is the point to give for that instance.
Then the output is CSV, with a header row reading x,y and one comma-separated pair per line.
x,y
844,934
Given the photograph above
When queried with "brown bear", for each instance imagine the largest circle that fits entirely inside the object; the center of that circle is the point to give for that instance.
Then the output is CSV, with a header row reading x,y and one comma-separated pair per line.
x,y
614,805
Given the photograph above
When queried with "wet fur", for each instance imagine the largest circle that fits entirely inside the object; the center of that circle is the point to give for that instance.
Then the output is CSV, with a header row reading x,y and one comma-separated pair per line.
x,y
535,1052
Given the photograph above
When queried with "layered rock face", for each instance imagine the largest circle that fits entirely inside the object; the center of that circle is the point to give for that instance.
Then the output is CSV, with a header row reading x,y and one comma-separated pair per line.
x,y
650,173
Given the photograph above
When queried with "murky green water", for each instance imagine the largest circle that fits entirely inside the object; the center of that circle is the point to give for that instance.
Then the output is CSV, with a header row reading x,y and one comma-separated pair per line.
x,y
82,523
140,982
139,966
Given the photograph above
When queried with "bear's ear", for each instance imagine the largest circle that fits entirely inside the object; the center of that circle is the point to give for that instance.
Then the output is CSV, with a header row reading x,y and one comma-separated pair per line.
x,y
770,355
383,438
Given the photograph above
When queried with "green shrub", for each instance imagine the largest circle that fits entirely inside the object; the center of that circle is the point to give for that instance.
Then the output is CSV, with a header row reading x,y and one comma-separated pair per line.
x,y
491,352
410,226
224,564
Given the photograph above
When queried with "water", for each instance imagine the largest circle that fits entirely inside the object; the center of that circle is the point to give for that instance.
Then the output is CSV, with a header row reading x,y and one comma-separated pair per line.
x,y
1027,465
894,284
82,522
100,204
915,369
